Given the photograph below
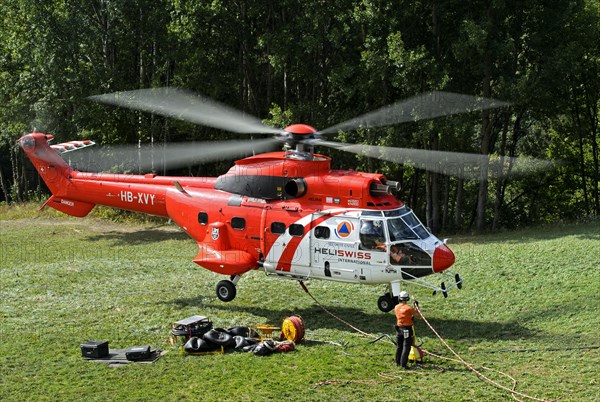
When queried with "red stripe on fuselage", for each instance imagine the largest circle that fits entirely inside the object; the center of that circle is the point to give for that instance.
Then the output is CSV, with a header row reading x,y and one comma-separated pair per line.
x,y
285,261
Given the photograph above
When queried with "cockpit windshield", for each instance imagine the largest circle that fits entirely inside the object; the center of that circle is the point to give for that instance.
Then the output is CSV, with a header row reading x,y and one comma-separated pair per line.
x,y
404,225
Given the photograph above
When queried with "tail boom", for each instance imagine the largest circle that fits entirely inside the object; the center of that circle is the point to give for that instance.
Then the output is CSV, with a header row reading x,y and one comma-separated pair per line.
x,y
76,193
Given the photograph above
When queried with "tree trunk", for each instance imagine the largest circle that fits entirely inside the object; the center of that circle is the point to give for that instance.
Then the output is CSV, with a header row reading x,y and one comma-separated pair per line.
x,y
434,225
103,20
592,111
14,161
4,187
486,131
435,29
141,72
501,181
428,201
596,182
414,190
446,203
459,201
486,135
580,136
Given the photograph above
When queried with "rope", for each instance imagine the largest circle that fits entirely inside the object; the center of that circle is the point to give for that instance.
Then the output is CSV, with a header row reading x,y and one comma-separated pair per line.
x,y
538,350
333,315
458,359
472,368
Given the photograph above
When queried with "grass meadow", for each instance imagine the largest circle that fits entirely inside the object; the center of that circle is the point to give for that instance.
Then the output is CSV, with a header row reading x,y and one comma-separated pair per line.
x,y
64,281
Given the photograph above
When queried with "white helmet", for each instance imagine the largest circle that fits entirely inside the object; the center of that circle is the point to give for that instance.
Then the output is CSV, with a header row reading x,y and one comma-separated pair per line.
x,y
403,296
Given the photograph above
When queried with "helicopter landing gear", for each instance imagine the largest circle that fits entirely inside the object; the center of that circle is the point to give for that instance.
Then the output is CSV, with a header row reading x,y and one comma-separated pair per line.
x,y
458,280
444,290
226,290
386,303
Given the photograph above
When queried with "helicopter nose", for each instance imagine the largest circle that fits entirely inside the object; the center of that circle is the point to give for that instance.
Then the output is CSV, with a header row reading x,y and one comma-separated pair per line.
x,y
443,258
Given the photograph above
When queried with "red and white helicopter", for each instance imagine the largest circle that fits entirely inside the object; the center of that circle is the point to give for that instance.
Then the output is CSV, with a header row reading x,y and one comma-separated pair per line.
x,y
286,213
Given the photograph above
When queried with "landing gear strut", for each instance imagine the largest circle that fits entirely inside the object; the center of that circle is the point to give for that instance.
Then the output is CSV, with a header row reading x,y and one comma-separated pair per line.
x,y
226,290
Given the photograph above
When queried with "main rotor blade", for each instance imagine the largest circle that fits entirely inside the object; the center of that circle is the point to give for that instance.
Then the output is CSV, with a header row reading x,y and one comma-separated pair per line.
x,y
465,165
143,158
420,107
187,106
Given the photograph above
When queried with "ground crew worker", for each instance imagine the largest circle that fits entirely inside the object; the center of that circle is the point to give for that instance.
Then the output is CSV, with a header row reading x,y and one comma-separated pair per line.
x,y
404,327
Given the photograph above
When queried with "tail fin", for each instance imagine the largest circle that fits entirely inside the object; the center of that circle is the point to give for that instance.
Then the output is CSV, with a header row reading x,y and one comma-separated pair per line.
x,y
55,172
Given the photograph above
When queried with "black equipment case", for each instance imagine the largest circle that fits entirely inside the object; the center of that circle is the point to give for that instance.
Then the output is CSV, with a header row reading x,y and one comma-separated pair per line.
x,y
94,349
138,353
196,325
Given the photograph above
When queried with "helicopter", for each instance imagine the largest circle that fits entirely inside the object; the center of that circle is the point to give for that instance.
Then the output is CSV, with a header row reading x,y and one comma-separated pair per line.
x,y
287,212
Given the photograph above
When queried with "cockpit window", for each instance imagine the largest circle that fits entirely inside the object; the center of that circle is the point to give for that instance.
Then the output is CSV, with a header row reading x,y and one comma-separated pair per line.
x,y
370,213
394,212
372,235
400,230
421,232
407,226
410,219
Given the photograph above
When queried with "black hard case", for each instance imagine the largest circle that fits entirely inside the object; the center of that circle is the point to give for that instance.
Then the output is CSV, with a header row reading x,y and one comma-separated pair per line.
x,y
94,349
138,353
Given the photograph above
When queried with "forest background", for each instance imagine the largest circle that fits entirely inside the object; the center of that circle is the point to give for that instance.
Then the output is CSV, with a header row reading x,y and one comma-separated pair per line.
x,y
320,62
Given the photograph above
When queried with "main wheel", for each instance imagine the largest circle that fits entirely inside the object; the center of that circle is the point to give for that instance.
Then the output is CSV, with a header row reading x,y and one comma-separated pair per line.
x,y
385,303
226,291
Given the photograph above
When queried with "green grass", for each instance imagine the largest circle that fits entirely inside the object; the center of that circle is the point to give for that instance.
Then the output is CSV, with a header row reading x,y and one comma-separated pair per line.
x,y
64,281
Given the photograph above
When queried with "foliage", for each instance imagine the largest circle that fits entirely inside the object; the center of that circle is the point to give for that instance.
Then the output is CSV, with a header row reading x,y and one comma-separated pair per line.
x,y
322,62
66,281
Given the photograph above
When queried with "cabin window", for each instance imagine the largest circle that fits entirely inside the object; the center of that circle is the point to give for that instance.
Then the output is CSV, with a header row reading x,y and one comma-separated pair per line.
x,y
372,235
322,232
203,218
238,223
278,228
296,229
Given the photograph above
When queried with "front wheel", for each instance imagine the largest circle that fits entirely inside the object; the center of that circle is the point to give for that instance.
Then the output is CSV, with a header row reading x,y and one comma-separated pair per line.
x,y
385,303
226,291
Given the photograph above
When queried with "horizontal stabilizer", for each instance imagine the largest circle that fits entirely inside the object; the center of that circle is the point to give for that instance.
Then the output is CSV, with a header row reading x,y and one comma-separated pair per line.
x,y
69,207
72,146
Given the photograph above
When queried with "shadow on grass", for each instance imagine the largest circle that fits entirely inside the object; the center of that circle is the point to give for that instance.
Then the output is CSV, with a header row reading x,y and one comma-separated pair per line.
x,y
378,323
145,236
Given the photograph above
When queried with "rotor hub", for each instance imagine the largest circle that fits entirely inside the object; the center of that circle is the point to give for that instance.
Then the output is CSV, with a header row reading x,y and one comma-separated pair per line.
x,y
300,129
297,141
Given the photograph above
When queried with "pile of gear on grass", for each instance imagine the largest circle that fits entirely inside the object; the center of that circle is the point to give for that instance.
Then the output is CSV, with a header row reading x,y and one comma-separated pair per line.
x,y
198,337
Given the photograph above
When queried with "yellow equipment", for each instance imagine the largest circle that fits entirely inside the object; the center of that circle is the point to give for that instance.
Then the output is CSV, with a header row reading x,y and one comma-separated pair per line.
x,y
292,329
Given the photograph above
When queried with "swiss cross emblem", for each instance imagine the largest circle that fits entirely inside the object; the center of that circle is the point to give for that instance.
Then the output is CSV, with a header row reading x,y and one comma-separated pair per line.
x,y
215,233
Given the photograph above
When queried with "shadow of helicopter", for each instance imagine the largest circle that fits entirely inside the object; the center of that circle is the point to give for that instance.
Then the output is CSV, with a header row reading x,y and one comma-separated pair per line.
x,y
315,318
151,235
